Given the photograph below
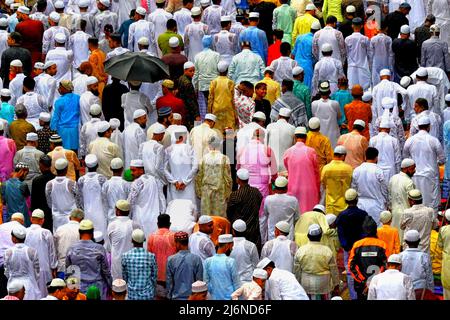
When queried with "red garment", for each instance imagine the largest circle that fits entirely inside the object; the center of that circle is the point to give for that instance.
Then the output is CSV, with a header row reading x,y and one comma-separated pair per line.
x,y
273,52
32,32
169,100
371,28
162,245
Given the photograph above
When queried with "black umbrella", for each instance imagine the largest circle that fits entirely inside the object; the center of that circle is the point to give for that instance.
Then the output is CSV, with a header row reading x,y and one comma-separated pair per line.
x,y
137,66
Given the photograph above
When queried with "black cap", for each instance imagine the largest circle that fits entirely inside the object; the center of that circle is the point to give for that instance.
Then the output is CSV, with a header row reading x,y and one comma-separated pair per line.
x,y
405,5
357,21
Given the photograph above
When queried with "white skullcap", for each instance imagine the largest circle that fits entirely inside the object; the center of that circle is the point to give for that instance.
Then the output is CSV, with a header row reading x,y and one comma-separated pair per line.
x,y
320,207
385,216
351,194
23,9
143,41
259,115
106,3
297,70
310,7
32,136
119,285
16,63
60,38
422,72
196,11
263,263
387,103
300,130
48,64
314,230
225,19
340,150
316,25
314,123
283,226
405,81
385,72
269,68
138,236
57,283
204,2
407,163
435,28
55,16
260,274
415,194
61,164
326,47
59,4
331,218
91,80
9,2
243,174
239,225
38,213
367,96
103,126
95,109
405,29
424,120
123,205
447,97
253,15
210,116
337,298
222,66
39,65
5,93
14,286
447,214
225,238
412,236
141,11
188,65
359,122
114,123
285,112
18,215
442,213
174,42
116,163
385,124
176,116
204,219
199,286
139,113
137,163
281,182
83,3
350,9
395,258
2,125
20,232
91,160
98,236
158,128
3,22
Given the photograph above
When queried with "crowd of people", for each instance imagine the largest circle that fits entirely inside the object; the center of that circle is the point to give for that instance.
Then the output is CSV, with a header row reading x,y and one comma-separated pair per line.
x,y
296,150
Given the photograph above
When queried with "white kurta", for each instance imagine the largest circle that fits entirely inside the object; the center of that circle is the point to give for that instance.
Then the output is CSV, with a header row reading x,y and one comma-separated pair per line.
x,y
281,207
133,136
102,19
87,99
280,137
193,36
441,10
201,245
42,241
358,72
138,29
368,179
183,215
390,154
77,17
3,42
48,39
62,200
282,285
385,88
381,56
65,236
35,104
329,35
114,189
119,235
64,60
88,133
327,69
181,166
125,6
427,153
435,124
329,112
283,68
159,19
46,86
421,90
224,43
15,86
417,14
438,78
391,285
246,256
211,17
279,251
132,101
183,17
79,41
79,84
200,136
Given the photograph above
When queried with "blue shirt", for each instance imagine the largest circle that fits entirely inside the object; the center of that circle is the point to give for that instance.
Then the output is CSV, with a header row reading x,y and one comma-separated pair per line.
x,y
67,112
139,270
124,31
349,226
14,193
12,22
183,269
343,97
257,39
221,275
302,53
7,112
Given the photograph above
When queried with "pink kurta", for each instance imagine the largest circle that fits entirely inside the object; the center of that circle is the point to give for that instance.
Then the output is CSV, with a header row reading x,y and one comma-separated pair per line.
x,y
303,175
162,244
7,152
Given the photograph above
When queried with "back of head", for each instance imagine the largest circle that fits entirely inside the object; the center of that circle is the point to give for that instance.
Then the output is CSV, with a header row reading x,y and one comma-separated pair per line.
x,y
331,20
288,84
369,227
164,221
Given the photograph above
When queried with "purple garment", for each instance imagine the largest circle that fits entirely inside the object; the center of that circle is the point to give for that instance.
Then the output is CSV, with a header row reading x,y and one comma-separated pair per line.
x,y
7,152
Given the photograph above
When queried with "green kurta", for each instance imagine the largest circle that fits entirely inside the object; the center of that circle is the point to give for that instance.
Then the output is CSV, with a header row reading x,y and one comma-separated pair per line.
x,y
284,18
163,41
302,92
332,8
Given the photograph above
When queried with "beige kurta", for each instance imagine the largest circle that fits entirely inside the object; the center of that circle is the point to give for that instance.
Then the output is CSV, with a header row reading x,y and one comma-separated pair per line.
x,y
105,150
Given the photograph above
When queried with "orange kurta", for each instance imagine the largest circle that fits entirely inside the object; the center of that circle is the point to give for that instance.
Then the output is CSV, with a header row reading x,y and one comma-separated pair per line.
x,y
221,226
358,110
389,235
97,60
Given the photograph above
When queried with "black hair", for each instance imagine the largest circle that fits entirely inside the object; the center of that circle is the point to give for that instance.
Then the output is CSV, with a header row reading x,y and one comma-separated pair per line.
x,y
278,34
41,5
331,20
260,84
316,237
93,41
132,13
285,48
185,2
16,36
422,102
29,83
288,83
247,84
358,127
370,227
163,220
223,24
45,160
371,153
171,23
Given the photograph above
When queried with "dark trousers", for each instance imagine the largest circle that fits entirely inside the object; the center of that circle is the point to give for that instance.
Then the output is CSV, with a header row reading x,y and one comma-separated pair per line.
x,y
3,282
359,288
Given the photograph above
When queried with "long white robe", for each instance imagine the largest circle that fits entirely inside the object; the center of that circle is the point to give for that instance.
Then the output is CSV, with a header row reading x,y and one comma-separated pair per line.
x,y
246,256
16,86
125,6
421,89
329,112
282,285
279,251
399,186
65,236
46,86
435,124
87,99
427,153
193,36
79,41
283,68
385,88
245,135
281,207
3,43
390,154
441,10
159,19
61,199
183,17
417,14
327,69
132,101
114,189
332,36
358,72
88,133
48,39
142,28
280,137
133,136
391,285
102,19
77,17
368,179
64,60
211,17
119,236
224,43
35,104
381,56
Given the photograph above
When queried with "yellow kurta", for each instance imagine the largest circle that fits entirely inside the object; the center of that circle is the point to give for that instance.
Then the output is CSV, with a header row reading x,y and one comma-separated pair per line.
x,y
444,243
306,219
331,240
273,89
332,8
336,178
70,156
105,150
322,145
221,103
435,252
302,25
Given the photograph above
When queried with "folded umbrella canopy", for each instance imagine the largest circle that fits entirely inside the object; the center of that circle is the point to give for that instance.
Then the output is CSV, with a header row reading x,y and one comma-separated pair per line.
x,y
137,66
